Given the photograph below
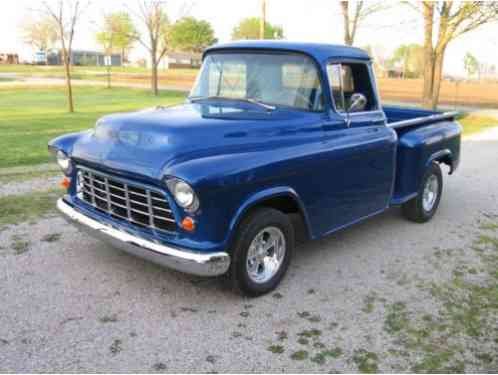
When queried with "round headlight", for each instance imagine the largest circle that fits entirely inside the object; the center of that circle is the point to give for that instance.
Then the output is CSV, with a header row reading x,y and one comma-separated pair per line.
x,y
184,195
64,162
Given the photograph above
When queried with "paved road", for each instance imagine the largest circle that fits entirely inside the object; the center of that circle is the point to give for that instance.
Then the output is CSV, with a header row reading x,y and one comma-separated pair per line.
x,y
74,304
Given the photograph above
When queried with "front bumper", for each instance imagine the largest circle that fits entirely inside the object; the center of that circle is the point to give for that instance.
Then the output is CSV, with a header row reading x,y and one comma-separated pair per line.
x,y
183,260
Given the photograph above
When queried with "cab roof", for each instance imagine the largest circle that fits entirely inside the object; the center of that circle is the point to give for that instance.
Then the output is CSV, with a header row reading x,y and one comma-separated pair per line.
x,y
320,51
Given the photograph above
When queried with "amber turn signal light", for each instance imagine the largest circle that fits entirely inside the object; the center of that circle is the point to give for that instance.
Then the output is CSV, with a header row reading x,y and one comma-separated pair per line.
x,y
66,182
188,224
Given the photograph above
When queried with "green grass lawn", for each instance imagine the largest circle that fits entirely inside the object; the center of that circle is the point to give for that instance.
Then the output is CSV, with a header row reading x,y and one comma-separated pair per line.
x,y
30,117
473,123
90,72
15,209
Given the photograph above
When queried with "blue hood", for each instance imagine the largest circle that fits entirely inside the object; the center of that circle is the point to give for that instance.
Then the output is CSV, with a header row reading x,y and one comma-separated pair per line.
x,y
147,142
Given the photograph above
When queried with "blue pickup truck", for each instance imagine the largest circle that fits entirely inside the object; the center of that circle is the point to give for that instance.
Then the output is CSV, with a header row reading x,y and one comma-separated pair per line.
x,y
275,139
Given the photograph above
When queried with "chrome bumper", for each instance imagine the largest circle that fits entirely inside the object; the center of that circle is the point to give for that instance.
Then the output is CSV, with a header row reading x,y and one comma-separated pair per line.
x,y
195,263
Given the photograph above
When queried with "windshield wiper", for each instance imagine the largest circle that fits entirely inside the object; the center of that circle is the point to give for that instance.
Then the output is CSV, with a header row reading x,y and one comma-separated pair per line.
x,y
268,107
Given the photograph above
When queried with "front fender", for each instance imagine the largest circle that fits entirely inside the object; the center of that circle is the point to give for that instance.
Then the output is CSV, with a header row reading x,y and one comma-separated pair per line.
x,y
65,142
264,195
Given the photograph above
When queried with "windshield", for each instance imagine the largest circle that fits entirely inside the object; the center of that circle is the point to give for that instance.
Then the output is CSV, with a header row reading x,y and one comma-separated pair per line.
x,y
287,79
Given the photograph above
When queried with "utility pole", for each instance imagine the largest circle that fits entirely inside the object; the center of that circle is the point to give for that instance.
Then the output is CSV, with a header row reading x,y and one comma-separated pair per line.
x,y
262,21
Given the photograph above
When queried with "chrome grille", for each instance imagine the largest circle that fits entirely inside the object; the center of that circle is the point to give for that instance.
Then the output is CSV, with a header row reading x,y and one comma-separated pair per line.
x,y
140,206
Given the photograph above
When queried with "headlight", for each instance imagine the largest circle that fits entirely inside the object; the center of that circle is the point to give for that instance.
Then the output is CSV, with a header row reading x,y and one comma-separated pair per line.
x,y
184,195
64,162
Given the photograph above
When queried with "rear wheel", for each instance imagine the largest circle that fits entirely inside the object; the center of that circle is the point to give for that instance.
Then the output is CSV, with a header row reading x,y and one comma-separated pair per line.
x,y
262,251
422,208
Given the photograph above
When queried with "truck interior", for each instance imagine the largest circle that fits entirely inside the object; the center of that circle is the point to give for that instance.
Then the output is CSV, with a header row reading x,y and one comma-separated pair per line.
x,y
348,79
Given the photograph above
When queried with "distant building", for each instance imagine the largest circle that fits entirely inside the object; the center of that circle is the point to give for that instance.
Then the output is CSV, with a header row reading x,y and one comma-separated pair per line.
x,y
84,58
9,58
388,72
40,58
183,60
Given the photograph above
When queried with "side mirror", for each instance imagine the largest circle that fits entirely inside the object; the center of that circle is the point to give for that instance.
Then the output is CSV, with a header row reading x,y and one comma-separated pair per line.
x,y
358,103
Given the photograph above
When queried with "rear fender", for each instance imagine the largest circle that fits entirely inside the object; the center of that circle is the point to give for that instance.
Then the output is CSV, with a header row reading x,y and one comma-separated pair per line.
x,y
418,148
443,156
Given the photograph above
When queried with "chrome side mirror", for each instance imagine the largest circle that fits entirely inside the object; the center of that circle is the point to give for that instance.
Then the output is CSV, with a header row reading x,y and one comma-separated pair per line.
x,y
358,103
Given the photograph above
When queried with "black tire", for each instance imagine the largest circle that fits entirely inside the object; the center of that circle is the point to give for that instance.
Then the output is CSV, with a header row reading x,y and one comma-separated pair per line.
x,y
414,209
249,228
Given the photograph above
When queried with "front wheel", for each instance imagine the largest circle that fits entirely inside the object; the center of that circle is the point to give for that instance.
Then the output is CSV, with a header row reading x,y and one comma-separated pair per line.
x,y
422,208
262,251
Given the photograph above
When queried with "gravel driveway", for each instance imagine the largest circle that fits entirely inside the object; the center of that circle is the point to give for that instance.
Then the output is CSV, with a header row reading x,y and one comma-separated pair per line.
x,y
70,303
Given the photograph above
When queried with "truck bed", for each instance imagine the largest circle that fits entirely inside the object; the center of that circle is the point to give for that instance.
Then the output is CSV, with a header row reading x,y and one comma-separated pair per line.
x,y
402,117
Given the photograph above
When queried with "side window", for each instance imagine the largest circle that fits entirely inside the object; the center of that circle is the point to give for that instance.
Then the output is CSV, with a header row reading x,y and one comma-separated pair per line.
x,y
334,71
348,79
357,80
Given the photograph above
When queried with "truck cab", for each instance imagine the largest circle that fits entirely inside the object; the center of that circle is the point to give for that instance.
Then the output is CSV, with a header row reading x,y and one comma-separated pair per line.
x,y
273,136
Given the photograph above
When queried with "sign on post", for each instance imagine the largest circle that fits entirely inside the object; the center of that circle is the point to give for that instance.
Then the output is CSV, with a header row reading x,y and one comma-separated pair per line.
x,y
108,64
107,60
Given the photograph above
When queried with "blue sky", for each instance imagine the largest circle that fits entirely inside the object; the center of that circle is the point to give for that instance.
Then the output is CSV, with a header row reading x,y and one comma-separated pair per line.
x,y
310,20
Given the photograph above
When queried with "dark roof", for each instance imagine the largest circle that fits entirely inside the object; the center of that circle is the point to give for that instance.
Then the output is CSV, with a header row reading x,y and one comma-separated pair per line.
x,y
184,55
320,51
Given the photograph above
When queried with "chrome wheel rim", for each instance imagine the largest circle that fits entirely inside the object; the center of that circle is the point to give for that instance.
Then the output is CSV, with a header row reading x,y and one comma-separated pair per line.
x,y
265,255
430,193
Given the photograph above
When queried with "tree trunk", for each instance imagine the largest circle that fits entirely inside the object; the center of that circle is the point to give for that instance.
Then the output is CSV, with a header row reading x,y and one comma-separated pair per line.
x,y
262,21
108,76
154,84
428,56
438,75
428,80
345,15
67,70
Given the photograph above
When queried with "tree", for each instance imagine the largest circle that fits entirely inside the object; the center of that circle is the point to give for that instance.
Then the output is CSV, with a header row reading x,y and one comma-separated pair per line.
x,y
262,20
155,19
248,28
451,20
117,34
191,35
66,15
40,33
471,64
411,58
381,57
354,13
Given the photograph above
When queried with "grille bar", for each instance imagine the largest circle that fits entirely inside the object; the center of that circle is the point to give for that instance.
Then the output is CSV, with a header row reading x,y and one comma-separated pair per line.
x,y
151,212
141,206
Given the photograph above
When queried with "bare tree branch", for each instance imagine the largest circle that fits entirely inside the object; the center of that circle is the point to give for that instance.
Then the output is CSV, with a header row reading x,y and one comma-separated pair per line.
x,y
360,11
66,15
452,19
152,14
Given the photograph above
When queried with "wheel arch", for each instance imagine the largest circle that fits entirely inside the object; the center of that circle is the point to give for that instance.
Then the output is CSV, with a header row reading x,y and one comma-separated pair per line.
x,y
284,199
443,156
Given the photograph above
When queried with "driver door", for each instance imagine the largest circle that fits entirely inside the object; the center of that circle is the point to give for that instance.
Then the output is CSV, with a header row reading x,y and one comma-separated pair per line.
x,y
359,150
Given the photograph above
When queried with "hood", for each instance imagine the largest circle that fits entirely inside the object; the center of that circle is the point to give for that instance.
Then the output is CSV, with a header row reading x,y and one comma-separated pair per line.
x,y
147,142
